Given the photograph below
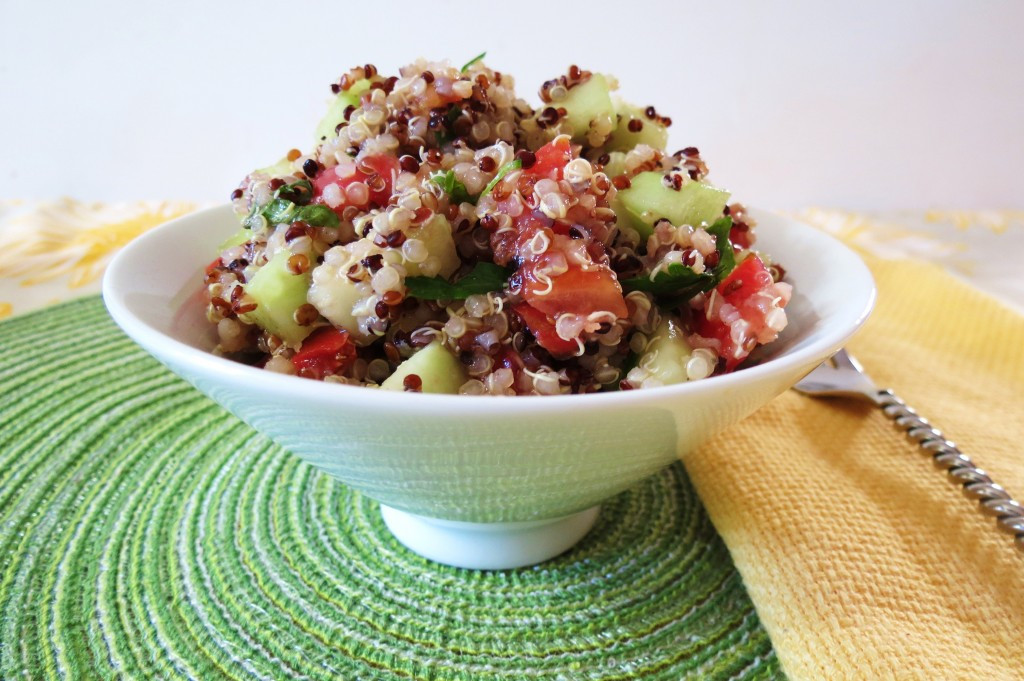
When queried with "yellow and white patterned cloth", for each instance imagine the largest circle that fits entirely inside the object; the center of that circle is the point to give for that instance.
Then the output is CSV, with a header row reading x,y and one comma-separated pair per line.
x,y
862,561
55,251
983,248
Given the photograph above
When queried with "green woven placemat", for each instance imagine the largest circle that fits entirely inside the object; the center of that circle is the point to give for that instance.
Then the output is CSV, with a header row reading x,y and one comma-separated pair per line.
x,y
145,532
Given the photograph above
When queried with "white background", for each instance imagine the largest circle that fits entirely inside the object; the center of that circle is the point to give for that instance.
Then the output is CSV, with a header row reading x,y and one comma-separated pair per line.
x,y
862,105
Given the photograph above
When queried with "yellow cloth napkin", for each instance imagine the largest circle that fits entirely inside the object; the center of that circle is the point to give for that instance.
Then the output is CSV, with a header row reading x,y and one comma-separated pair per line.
x,y
864,562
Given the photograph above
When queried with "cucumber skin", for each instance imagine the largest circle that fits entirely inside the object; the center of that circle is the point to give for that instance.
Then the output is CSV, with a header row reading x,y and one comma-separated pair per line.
x,y
440,371
336,112
648,200
278,293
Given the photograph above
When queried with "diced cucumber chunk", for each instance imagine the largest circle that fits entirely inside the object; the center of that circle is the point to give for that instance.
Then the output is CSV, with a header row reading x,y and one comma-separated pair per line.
x,y
278,294
236,239
439,370
616,164
436,235
336,112
647,200
667,353
335,296
651,133
587,102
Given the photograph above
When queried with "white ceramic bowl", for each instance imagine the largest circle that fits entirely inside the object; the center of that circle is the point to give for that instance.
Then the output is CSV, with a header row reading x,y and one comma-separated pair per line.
x,y
480,481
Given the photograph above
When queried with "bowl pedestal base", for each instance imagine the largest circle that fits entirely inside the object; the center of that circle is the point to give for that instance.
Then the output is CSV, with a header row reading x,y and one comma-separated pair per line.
x,y
488,546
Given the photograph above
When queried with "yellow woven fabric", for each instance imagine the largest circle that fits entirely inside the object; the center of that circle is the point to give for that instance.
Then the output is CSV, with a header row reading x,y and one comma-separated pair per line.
x,y
864,562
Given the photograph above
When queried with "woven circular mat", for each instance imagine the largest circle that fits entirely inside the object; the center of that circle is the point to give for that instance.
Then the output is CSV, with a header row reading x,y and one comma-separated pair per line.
x,y
145,532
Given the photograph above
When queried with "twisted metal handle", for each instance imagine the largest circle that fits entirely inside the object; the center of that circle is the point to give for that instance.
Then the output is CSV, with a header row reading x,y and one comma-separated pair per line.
x,y
992,499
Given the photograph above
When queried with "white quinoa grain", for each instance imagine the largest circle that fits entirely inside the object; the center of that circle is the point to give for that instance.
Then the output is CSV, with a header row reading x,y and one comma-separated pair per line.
x,y
386,279
478,305
431,266
553,205
280,365
357,193
569,326
703,242
776,319
378,370
505,131
332,195
414,250
455,327
472,387
698,367
232,335
578,170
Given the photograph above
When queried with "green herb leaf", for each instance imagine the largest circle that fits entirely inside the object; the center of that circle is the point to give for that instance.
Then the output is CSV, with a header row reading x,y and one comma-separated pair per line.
x,y
247,223
677,283
676,279
300,192
502,172
484,278
279,211
726,257
456,191
283,211
472,61
318,215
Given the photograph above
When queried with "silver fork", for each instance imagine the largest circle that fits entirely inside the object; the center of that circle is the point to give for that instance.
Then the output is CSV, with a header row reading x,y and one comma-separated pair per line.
x,y
843,376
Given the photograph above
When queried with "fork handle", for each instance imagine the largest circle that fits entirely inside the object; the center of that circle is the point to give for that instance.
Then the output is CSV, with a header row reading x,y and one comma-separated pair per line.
x,y
992,499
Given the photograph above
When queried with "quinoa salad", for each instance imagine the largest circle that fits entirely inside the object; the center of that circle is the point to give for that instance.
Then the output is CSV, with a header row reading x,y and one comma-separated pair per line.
x,y
443,235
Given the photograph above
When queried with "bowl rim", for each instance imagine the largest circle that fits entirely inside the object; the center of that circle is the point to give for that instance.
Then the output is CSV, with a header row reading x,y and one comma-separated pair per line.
x,y
169,349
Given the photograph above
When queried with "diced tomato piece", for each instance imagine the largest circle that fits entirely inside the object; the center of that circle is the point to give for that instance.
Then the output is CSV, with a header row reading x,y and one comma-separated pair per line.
x,y
326,351
386,167
740,236
437,94
214,264
577,290
512,244
543,329
749,289
331,176
551,159
561,227
377,172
